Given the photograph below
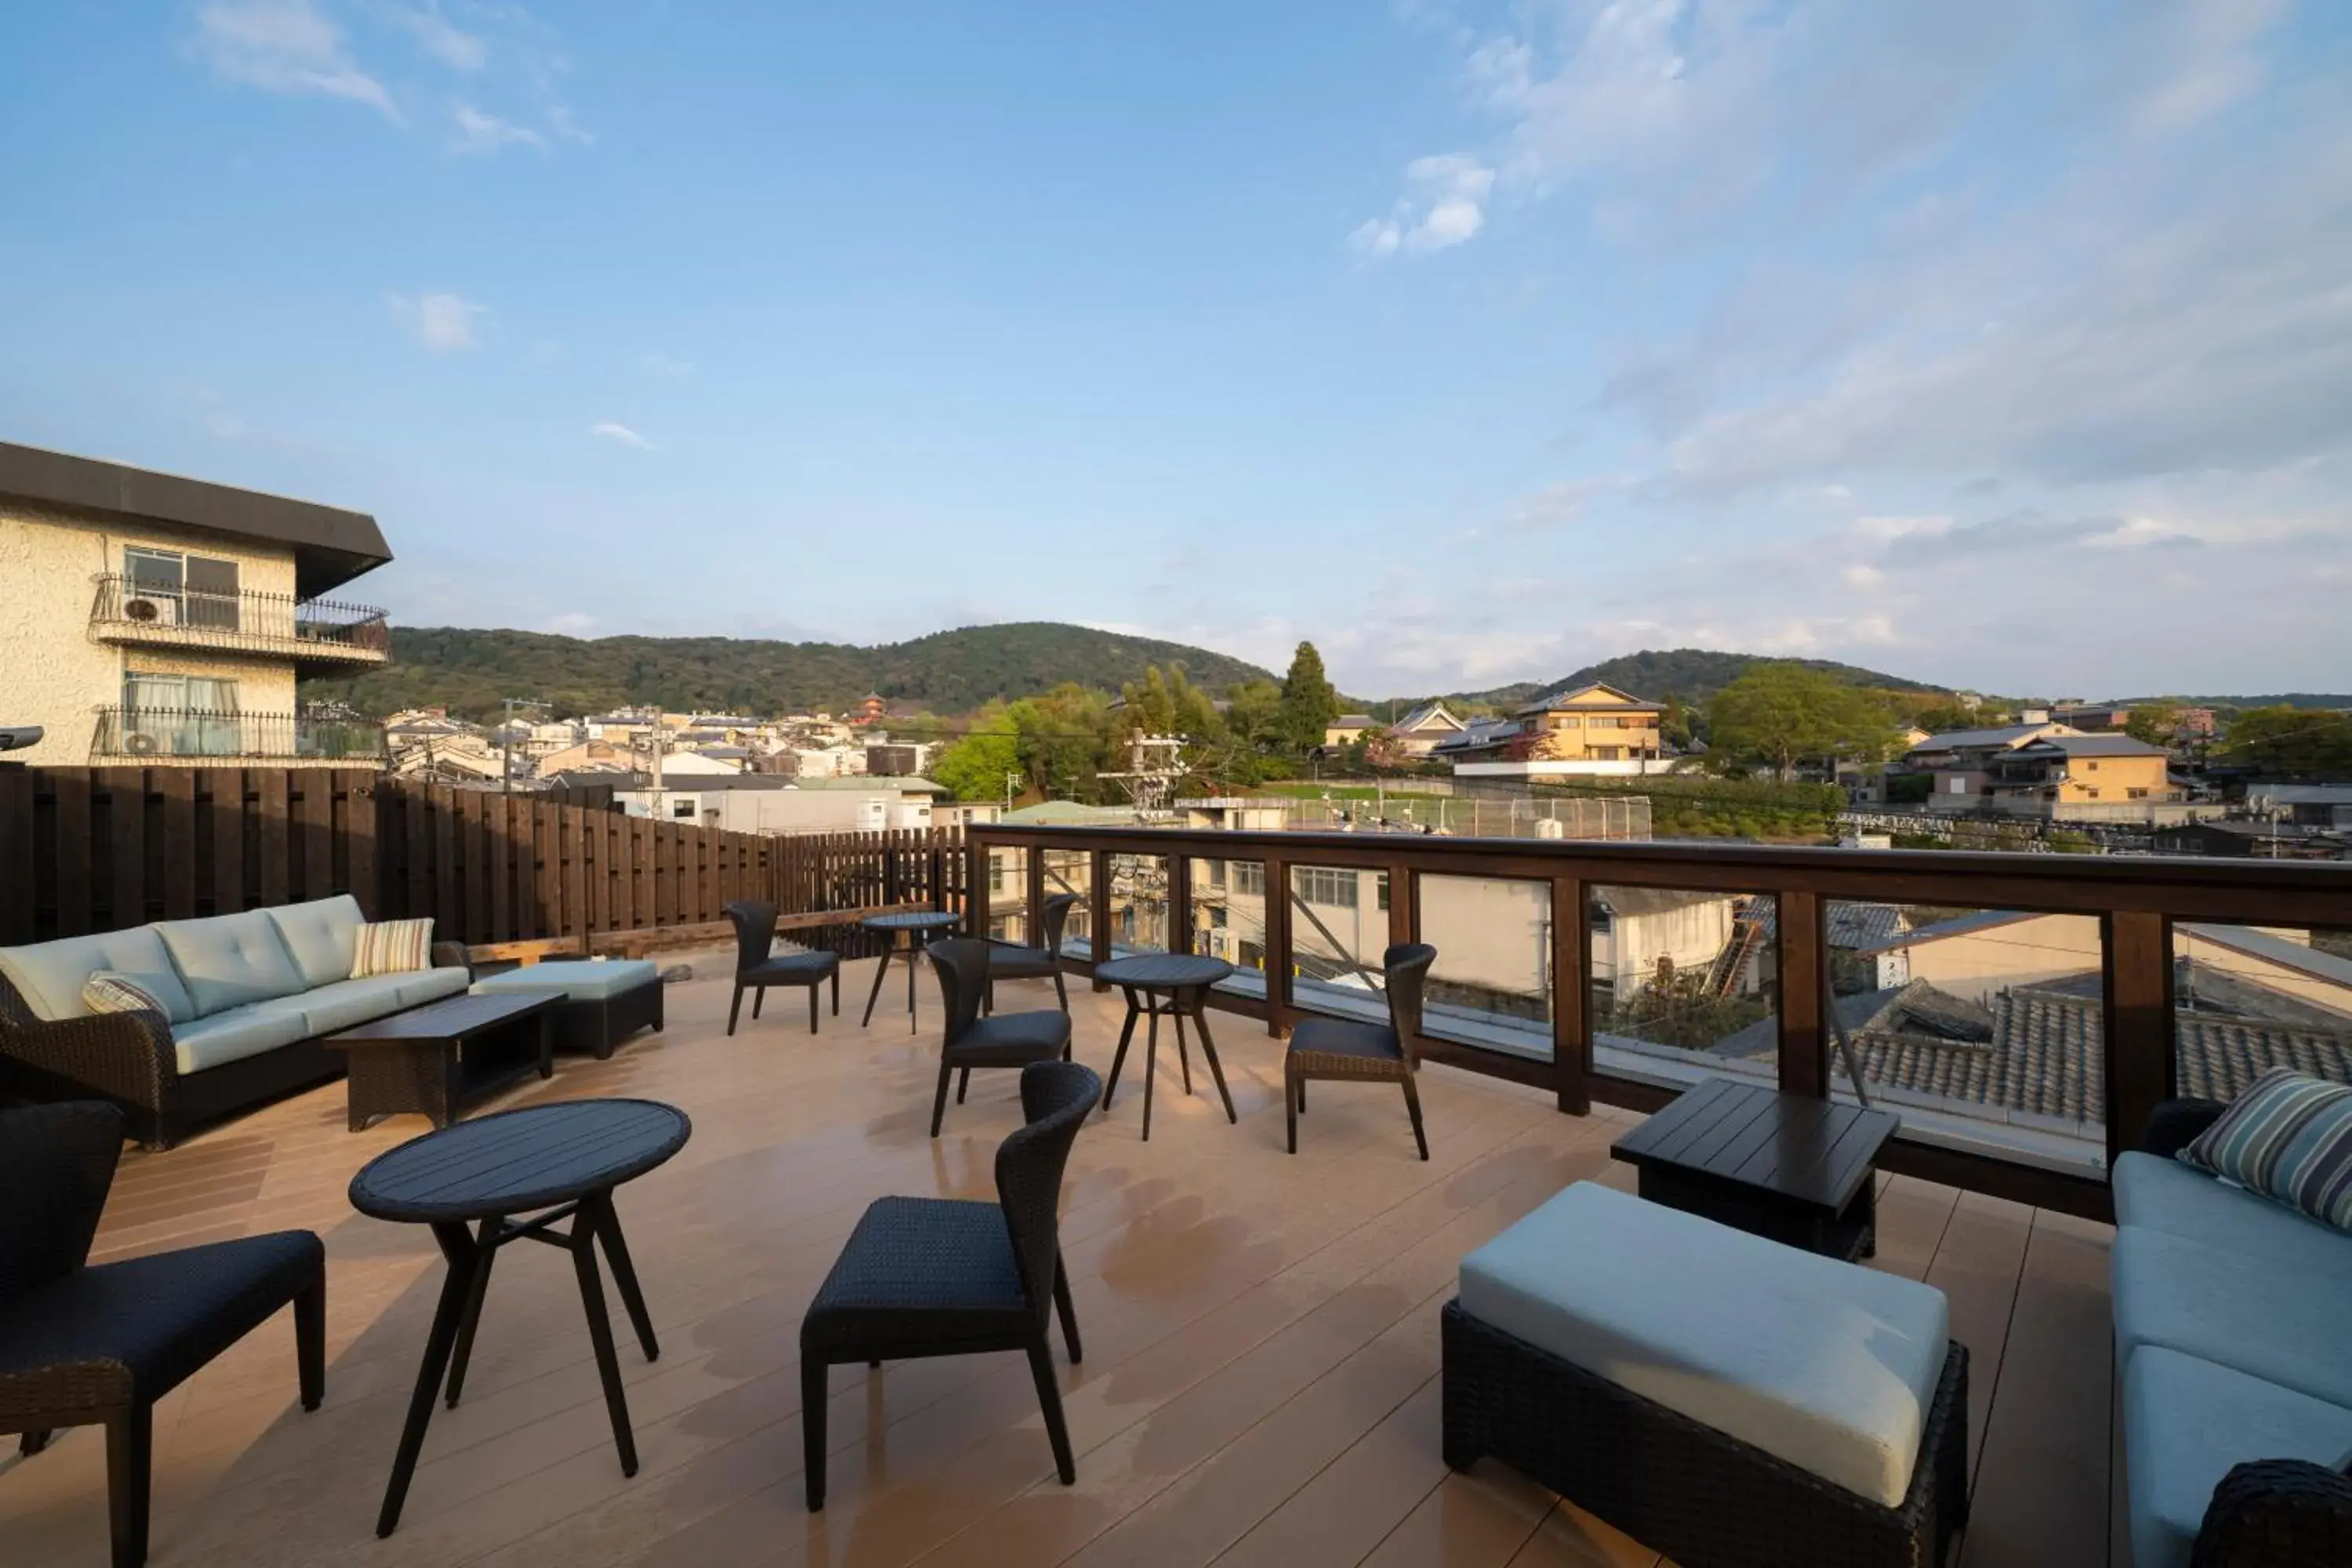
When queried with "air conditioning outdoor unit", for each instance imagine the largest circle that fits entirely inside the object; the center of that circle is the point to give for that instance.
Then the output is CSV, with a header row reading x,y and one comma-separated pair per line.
x,y
138,743
153,612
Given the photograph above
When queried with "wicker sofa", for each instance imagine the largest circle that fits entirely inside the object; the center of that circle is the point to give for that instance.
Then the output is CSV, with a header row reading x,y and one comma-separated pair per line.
x,y
2234,1348
248,996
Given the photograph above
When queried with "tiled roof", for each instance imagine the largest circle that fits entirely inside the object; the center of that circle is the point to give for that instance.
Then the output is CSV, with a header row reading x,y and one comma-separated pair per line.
x,y
1958,740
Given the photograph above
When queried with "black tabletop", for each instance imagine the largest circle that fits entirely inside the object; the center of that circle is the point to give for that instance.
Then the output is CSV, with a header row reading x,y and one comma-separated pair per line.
x,y
1162,971
513,1161
451,1018
1794,1146
918,919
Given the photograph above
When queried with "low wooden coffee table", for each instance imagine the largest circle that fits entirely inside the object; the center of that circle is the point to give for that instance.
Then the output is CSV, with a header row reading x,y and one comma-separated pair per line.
x,y
440,1058
1789,1167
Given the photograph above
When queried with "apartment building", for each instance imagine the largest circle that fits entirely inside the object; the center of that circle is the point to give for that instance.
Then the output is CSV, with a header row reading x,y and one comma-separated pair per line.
x,y
153,619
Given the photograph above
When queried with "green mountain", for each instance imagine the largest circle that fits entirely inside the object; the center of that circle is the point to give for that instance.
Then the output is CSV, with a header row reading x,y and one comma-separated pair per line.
x,y
468,672
1690,673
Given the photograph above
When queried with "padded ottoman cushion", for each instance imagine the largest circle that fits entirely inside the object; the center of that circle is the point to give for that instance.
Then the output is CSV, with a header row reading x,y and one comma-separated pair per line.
x,y
2187,1421
1830,1367
583,980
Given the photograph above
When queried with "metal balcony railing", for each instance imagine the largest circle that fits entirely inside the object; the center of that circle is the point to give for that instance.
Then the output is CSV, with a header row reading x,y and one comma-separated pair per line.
x,y
324,630
180,734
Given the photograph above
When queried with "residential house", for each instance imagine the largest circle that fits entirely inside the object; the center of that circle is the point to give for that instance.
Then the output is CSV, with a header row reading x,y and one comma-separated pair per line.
x,y
1419,732
1594,729
1958,763
585,754
1348,728
2056,776
2098,718
155,619
2305,805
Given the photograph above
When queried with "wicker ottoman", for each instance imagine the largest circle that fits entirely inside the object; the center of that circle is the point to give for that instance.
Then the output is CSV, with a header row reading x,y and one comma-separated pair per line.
x,y
607,1000
1721,1398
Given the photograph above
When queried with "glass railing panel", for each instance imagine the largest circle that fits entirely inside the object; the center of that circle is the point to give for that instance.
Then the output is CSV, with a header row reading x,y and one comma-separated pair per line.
x,y
1684,983
1338,928
1982,1028
1229,920
1138,904
1491,985
2250,998
1071,871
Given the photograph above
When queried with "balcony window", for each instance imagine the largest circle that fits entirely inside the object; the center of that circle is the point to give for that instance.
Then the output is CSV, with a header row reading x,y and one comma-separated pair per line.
x,y
180,716
173,589
1330,885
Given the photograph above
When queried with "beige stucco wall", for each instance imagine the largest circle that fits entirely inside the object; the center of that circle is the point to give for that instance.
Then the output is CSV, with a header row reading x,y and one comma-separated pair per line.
x,y
2115,777
54,674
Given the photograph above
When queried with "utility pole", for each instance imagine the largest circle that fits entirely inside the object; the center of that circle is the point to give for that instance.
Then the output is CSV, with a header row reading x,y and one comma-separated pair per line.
x,y
1009,777
506,741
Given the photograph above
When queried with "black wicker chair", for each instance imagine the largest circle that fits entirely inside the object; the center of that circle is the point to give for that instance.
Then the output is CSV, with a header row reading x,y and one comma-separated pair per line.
x,y
999,1040
1018,961
85,1346
925,1276
756,968
1344,1048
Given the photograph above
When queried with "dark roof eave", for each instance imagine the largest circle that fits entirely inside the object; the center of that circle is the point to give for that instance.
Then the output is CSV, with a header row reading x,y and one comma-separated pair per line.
x,y
331,546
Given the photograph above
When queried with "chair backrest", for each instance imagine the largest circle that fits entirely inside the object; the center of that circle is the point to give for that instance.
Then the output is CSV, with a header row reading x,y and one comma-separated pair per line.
x,y
755,931
1052,917
961,964
57,1163
1407,967
1055,1097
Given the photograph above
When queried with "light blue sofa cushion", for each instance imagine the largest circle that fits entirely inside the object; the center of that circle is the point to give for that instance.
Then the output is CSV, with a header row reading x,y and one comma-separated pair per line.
x,y
2286,1319
2165,1195
1830,1367
418,986
340,1004
2187,1421
235,1034
229,961
320,936
583,981
49,975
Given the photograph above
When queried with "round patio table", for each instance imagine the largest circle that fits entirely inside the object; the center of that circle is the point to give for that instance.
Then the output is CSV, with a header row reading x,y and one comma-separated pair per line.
x,y
1165,986
550,1162
910,934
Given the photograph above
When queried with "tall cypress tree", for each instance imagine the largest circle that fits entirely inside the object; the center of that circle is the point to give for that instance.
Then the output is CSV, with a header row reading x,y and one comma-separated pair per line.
x,y
1309,702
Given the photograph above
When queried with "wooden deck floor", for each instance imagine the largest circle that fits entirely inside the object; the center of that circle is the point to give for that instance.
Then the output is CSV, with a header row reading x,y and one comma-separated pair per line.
x,y
1261,1376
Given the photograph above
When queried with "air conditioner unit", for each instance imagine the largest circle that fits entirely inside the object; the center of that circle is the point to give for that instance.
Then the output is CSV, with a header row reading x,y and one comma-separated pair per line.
x,y
152,612
138,743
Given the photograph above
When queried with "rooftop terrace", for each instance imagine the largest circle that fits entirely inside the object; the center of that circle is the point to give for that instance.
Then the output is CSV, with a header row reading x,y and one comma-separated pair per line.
x,y
1261,1377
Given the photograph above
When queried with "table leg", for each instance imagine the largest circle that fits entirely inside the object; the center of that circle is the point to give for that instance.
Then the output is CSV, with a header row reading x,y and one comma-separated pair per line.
x,y
1150,1061
1209,1050
457,1247
485,1251
880,969
600,1326
547,1043
1183,1057
914,947
625,1276
1118,1059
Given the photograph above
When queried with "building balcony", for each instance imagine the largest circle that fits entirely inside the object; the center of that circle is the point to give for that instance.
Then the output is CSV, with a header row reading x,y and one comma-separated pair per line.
x,y
320,634
183,735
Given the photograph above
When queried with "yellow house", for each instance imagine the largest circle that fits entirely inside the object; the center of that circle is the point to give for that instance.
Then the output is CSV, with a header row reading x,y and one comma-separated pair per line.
x,y
1348,728
151,619
1595,723
2080,769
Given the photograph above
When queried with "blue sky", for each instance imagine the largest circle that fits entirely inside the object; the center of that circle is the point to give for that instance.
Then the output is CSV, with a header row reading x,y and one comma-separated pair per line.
x,y
2006,345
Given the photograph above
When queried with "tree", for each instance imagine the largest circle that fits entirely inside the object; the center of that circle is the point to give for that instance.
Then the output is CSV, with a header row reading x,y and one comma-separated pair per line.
x,y
1253,713
1309,702
1674,725
2283,742
975,767
2157,724
1940,718
1781,714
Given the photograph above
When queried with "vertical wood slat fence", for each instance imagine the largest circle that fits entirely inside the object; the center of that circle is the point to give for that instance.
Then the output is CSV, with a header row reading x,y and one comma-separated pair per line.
x,y
94,849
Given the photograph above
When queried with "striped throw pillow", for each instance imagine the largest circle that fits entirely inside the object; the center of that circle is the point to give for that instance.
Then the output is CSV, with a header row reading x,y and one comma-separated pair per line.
x,y
392,947
107,992
2288,1138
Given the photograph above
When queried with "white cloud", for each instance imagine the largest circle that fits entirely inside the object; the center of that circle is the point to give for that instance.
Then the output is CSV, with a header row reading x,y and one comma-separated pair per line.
x,y
480,132
663,365
440,38
565,128
1443,205
611,430
442,322
287,47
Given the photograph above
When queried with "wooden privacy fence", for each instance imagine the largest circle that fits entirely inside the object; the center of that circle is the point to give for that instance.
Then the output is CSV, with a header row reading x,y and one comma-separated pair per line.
x,y
92,849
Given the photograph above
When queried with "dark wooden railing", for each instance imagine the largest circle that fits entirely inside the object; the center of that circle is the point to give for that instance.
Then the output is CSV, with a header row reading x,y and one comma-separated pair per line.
x,y
2135,900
